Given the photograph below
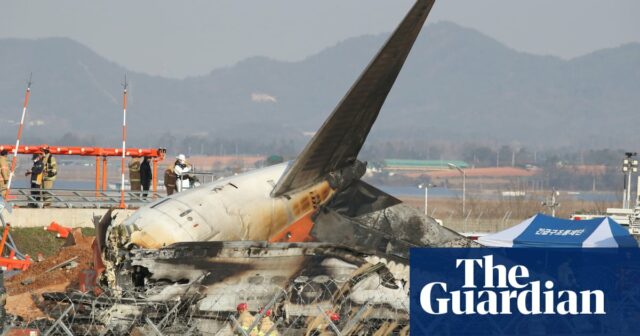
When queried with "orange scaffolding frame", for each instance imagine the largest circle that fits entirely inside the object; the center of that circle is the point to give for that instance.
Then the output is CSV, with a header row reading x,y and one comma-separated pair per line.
x,y
11,262
99,152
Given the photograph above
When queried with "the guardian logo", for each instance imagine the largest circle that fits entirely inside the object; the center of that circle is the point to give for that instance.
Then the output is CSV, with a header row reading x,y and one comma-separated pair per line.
x,y
506,291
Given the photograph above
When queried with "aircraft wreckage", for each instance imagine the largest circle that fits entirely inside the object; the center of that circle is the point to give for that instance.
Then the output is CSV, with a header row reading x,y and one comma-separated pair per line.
x,y
300,239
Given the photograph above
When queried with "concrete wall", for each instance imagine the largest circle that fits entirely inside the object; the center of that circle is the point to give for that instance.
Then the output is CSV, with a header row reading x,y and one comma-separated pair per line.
x,y
28,217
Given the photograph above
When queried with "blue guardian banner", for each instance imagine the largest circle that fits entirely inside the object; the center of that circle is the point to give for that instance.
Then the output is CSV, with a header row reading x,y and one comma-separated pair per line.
x,y
525,291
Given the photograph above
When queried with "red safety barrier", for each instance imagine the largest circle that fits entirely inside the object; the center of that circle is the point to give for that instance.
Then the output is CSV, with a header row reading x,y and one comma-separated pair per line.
x,y
61,231
88,151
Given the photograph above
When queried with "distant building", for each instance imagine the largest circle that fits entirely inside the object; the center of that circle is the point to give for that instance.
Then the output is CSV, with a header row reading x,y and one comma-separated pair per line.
x,y
440,173
502,178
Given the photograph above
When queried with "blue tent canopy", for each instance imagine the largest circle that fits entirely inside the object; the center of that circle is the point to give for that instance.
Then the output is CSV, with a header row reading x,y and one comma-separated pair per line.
x,y
544,231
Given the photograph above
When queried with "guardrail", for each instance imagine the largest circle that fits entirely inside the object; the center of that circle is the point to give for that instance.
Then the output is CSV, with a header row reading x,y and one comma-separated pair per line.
x,y
68,198
196,179
204,177
83,198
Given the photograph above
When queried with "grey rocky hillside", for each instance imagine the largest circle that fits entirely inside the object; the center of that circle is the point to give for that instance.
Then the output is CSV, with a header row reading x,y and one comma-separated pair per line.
x,y
458,85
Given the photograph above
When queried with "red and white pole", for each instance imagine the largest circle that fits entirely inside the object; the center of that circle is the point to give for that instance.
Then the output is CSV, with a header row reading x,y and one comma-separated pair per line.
x,y
124,140
15,150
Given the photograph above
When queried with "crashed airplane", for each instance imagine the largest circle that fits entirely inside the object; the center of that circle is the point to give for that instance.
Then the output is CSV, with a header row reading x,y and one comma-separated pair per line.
x,y
317,196
310,227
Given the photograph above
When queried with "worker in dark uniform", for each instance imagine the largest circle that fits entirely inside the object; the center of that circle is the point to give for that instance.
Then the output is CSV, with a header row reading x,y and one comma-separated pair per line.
x,y
36,173
134,175
145,176
49,173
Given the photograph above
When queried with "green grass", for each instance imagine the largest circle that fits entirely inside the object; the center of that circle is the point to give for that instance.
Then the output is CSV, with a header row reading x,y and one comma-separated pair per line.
x,y
36,240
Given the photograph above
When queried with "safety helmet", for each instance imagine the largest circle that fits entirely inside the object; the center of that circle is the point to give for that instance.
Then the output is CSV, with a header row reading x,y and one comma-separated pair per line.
x,y
242,307
181,157
268,313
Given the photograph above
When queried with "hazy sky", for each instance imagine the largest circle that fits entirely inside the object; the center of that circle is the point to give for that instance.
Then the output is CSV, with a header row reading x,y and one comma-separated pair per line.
x,y
177,38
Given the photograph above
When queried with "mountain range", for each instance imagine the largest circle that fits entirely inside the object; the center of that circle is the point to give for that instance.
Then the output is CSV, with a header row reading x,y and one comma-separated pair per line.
x,y
458,85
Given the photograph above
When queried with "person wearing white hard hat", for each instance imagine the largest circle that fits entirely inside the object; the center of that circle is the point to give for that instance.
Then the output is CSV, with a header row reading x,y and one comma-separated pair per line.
x,y
182,168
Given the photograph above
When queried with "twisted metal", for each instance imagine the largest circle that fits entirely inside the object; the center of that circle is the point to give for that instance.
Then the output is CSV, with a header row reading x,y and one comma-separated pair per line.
x,y
299,309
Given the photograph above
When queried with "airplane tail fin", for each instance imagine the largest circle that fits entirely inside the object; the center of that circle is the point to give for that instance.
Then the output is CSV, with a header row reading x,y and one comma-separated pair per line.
x,y
338,142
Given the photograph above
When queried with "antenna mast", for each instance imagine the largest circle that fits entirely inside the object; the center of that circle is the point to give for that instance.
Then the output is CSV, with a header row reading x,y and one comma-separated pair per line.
x,y
124,139
15,150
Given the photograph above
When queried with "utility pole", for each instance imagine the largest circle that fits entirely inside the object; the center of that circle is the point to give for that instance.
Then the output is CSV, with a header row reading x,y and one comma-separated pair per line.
x,y
426,187
624,189
426,200
552,202
464,183
629,166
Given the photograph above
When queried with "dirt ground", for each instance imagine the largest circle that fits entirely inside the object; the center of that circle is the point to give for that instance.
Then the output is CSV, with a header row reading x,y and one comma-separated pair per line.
x,y
20,299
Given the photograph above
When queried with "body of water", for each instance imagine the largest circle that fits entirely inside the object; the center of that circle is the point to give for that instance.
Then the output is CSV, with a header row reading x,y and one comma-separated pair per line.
x,y
397,191
59,184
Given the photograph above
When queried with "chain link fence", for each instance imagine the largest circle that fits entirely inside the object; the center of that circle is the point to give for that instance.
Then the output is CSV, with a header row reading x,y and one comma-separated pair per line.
x,y
306,307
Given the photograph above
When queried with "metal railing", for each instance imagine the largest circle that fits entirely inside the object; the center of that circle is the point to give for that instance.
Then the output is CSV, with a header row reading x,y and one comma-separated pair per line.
x,y
205,177
69,198
198,178
83,198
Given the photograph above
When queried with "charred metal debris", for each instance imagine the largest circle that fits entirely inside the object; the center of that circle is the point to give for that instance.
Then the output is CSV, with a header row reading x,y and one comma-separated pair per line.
x,y
195,288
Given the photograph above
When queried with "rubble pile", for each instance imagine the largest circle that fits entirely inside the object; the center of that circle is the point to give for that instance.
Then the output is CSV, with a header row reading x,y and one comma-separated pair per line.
x,y
197,288
24,289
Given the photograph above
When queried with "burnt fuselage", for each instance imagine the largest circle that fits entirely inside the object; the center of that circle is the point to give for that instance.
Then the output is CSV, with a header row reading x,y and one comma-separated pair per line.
x,y
235,208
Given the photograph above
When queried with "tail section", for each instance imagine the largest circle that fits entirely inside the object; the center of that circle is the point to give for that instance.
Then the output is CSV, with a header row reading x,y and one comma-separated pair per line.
x,y
338,142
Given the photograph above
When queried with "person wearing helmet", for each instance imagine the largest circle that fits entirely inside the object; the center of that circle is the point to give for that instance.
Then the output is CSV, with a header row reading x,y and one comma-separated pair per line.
x,y
182,169
266,324
48,174
245,319
170,179
335,319
36,173
319,326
